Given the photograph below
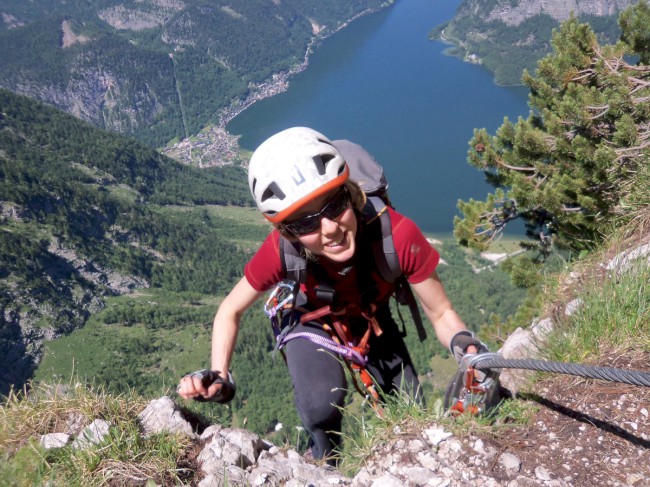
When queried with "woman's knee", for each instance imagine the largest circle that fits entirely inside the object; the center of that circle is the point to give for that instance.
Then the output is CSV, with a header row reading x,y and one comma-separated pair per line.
x,y
324,413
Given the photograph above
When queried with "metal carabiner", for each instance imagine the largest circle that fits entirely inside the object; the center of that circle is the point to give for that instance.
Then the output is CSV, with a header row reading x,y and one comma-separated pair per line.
x,y
282,297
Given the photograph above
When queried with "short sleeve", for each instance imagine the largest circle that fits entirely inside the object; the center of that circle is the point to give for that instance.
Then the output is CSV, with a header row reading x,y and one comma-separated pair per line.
x,y
264,270
417,257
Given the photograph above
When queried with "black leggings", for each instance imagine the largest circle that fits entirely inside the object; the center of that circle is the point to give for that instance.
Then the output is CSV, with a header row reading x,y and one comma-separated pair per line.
x,y
320,384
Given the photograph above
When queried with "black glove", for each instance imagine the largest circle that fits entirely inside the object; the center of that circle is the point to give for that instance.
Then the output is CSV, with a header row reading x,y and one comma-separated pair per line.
x,y
209,377
461,341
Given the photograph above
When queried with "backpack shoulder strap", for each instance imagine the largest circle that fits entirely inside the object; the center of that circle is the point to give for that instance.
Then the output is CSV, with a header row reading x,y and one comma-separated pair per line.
x,y
376,211
404,295
388,261
293,262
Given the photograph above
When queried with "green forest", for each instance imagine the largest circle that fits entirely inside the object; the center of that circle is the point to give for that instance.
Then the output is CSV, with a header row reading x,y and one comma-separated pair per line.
x,y
81,207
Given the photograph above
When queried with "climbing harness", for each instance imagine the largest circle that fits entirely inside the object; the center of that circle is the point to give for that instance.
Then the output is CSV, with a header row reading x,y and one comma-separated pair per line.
x,y
475,388
281,309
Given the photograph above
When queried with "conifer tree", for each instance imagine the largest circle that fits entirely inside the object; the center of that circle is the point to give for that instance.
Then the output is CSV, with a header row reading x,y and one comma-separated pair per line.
x,y
635,26
568,168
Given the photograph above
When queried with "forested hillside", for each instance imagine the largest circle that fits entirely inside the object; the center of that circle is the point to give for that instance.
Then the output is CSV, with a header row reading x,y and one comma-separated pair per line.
x,y
156,69
510,36
80,221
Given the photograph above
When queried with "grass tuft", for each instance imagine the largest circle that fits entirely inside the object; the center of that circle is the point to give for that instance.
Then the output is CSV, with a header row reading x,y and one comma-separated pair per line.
x,y
125,456
614,313
374,426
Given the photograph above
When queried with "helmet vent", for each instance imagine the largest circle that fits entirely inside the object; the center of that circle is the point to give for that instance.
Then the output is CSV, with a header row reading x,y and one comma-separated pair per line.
x,y
320,166
273,191
321,162
325,141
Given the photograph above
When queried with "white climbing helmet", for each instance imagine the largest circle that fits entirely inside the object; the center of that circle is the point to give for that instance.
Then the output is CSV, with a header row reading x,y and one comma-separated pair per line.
x,y
291,168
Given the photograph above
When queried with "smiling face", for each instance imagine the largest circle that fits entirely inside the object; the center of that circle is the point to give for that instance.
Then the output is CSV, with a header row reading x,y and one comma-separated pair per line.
x,y
334,239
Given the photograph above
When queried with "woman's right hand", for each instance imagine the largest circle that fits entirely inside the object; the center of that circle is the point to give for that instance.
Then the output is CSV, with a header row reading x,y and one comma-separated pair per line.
x,y
201,385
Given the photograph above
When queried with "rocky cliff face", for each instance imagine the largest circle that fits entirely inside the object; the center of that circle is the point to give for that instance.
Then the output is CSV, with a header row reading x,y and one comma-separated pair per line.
x,y
508,36
514,13
80,284
99,97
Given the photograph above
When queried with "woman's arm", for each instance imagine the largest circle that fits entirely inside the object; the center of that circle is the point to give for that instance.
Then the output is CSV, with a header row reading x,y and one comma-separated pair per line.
x,y
224,336
439,310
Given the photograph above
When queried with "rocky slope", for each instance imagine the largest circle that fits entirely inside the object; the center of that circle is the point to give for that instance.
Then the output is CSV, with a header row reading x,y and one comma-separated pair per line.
x,y
578,432
79,280
581,436
510,36
514,13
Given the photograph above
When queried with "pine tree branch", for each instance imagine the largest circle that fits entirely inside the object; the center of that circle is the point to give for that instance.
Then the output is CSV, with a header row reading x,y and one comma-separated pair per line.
x,y
603,110
500,162
573,209
541,181
641,83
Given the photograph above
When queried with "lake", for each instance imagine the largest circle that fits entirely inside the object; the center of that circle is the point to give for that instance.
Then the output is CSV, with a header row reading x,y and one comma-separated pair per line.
x,y
382,83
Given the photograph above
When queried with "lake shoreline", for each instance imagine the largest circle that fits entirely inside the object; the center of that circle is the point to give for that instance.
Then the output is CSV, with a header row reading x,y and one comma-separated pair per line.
x,y
215,145
279,81
384,84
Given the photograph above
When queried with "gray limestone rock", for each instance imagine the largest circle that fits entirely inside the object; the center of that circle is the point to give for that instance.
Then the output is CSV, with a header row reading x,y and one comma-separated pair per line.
x,y
163,415
54,440
92,434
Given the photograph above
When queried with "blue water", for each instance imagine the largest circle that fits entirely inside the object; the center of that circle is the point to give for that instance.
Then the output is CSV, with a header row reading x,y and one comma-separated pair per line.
x,y
380,82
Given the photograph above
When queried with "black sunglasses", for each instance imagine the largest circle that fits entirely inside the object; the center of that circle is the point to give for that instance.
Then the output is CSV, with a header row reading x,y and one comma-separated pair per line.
x,y
331,210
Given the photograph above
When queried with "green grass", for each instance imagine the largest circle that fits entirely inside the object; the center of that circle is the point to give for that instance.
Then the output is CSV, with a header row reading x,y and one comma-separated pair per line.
x,y
243,226
28,229
368,427
614,314
123,457
123,193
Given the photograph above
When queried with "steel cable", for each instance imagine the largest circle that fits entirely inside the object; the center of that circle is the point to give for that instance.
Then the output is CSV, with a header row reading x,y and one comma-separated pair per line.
x,y
633,377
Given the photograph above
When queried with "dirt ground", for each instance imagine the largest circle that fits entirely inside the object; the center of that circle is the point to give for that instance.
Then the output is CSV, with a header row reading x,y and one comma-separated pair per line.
x,y
585,432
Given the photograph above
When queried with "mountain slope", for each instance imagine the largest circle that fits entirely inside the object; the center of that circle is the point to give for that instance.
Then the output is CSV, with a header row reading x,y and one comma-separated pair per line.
x,y
79,222
510,36
157,69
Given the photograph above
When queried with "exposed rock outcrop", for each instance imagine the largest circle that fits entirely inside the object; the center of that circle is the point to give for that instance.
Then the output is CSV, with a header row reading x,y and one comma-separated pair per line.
x,y
432,456
514,13
22,332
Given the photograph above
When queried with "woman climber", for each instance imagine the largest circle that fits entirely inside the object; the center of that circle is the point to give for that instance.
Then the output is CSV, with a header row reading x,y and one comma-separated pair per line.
x,y
301,183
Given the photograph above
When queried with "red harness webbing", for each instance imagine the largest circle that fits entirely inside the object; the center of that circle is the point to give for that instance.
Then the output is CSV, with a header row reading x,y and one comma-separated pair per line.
x,y
341,334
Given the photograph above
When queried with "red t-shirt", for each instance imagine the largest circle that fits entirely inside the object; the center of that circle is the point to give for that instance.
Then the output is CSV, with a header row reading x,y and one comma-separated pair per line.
x,y
418,259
